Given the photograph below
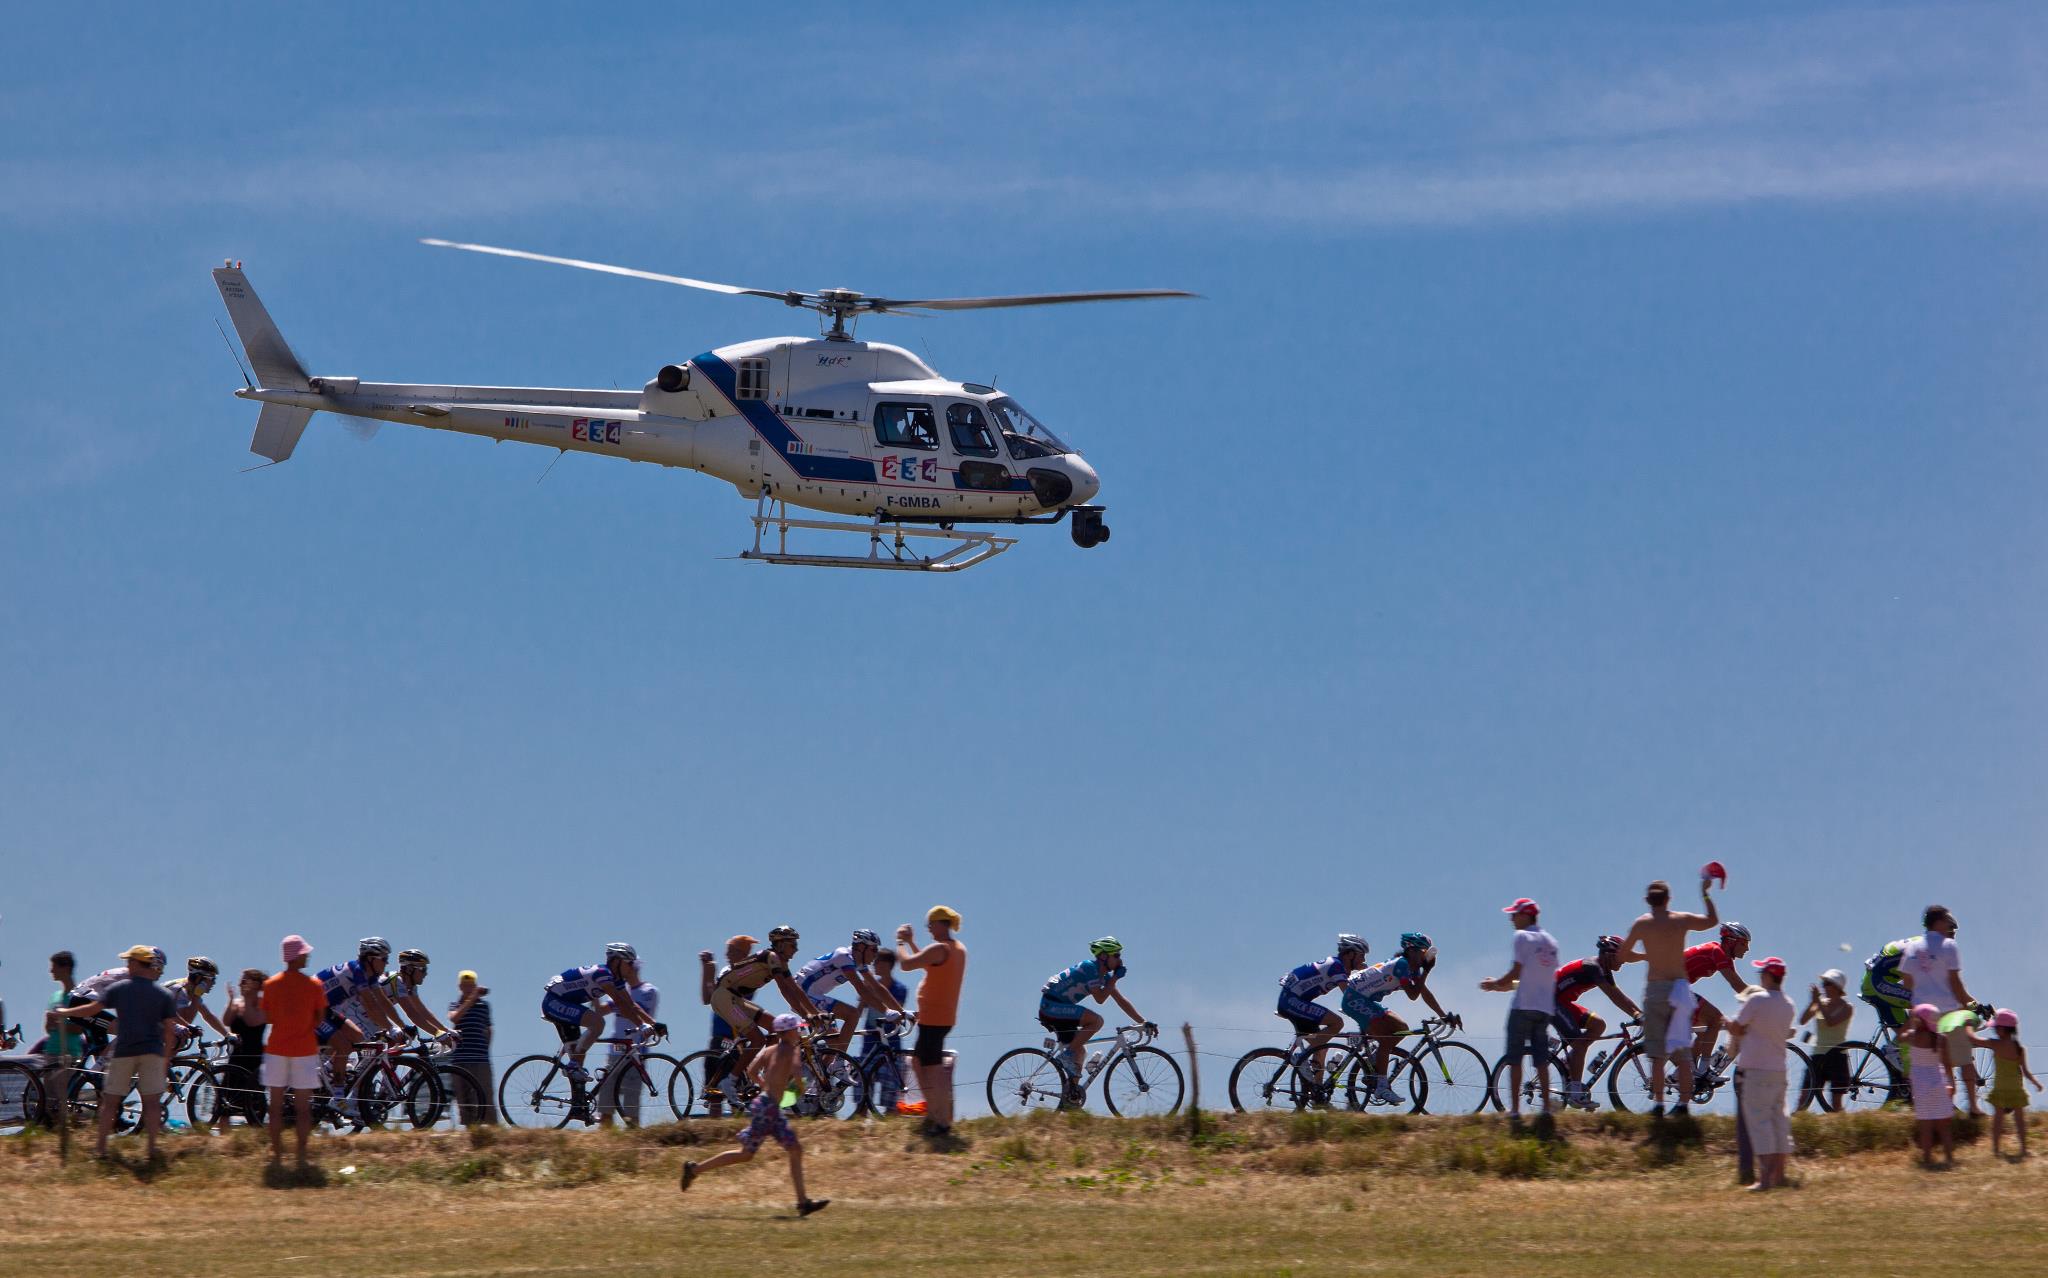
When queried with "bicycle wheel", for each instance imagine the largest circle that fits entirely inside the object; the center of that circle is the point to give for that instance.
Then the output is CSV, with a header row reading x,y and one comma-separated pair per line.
x,y
402,1093
85,1103
1406,1086
1628,1083
710,1084
1265,1079
1500,1092
831,1086
535,1092
1144,1083
204,1097
1459,1080
1024,1080
885,1075
21,1097
1802,1081
1873,1083
661,1070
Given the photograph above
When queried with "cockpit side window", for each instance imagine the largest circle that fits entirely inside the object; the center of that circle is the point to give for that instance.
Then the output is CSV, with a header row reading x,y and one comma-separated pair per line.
x,y
906,426
752,380
971,437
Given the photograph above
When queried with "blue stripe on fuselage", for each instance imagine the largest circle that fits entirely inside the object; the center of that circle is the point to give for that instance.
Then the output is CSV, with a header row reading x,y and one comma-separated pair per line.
x,y
770,426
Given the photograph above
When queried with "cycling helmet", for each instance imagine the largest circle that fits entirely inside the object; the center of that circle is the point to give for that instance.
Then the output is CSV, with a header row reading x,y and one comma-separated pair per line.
x,y
1352,942
1608,945
1106,946
158,957
865,936
782,933
202,966
406,958
1734,932
376,945
621,950
1414,941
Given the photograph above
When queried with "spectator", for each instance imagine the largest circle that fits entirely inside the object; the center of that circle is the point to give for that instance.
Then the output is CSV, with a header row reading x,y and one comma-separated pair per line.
x,y
1760,1029
1932,968
294,1003
623,1096
1934,1091
469,1063
1533,978
243,1082
62,1044
1658,938
2009,1065
886,1035
1830,1013
944,964
145,1024
772,1069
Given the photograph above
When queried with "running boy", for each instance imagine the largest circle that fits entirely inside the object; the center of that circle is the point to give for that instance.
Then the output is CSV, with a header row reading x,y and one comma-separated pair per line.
x,y
771,1070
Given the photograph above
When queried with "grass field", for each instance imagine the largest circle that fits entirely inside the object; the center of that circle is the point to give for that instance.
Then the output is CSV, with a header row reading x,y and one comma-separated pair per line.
x,y
1056,1194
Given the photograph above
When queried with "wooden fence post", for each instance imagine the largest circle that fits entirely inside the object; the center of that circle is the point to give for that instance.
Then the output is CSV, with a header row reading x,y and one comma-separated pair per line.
x,y
1194,1082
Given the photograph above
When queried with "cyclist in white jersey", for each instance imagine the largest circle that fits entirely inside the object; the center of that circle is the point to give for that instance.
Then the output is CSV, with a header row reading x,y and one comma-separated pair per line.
x,y
98,1029
188,994
1365,992
850,964
569,1003
403,989
356,1007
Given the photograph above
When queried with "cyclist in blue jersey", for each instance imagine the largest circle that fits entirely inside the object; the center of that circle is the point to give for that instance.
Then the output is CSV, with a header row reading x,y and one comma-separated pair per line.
x,y
1365,990
354,990
1098,977
848,965
1300,989
569,1003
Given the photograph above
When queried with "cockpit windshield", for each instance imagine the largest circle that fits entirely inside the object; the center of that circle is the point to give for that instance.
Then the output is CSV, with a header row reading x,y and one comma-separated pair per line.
x,y
1025,434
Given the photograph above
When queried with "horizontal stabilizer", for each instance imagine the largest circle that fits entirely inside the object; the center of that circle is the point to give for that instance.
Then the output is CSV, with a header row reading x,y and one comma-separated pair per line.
x,y
275,366
278,429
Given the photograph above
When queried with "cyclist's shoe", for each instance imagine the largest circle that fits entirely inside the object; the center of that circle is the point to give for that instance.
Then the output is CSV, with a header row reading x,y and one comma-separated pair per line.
x,y
1383,1092
575,1073
1681,1110
806,1206
1578,1095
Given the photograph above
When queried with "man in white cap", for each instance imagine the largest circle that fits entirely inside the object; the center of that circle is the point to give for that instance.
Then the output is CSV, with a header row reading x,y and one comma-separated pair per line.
x,y
771,1069
1760,1031
1829,1012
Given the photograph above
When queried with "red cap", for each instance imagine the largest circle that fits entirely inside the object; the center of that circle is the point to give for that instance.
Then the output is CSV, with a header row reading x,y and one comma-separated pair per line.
x,y
1522,905
1773,965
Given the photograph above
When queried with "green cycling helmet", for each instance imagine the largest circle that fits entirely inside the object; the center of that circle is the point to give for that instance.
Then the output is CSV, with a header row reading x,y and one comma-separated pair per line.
x,y
1414,941
1105,947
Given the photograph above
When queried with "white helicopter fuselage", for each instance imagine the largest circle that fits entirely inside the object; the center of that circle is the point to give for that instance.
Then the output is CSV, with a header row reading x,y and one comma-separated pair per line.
x,y
846,427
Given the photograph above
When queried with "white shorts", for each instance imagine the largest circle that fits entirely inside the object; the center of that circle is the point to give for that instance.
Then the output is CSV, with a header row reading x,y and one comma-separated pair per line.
x,y
301,1072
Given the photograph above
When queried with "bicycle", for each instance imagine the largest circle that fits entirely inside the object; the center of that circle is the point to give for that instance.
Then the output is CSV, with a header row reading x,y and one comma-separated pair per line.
x,y
21,1088
1628,1077
539,1091
829,1082
1138,1080
396,1087
885,1071
1289,1077
1456,1069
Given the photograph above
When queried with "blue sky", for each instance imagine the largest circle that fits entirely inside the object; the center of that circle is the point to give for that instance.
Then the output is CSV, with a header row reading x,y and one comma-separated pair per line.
x,y
1608,441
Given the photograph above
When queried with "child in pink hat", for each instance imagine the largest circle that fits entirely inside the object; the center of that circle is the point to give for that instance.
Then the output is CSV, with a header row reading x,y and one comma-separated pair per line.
x,y
1934,1086
2008,1066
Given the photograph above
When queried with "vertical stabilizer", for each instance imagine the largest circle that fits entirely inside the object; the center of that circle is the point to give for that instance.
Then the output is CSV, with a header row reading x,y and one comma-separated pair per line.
x,y
275,366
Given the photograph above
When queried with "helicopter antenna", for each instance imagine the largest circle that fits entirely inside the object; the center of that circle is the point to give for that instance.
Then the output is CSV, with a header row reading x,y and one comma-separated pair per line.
x,y
551,466
238,361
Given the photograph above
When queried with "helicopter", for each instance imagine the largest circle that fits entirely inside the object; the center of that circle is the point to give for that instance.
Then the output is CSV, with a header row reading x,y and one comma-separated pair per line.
x,y
931,467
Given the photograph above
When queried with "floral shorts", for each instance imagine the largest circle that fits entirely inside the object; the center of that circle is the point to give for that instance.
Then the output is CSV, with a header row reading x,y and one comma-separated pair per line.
x,y
764,1119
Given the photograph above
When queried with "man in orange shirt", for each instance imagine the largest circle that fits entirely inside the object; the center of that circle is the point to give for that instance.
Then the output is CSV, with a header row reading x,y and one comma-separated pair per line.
x,y
295,1004
944,963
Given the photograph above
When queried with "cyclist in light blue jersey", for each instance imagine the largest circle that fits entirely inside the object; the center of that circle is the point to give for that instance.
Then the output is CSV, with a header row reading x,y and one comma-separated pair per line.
x,y
1300,989
1367,988
1096,977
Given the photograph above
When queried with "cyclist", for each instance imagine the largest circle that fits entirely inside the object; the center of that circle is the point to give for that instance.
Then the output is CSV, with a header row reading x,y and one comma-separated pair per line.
x,y
1702,961
569,1003
356,1006
1059,1003
1300,989
1882,987
98,1029
1407,971
1577,1025
850,964
403,989
188,994
732,999
736,950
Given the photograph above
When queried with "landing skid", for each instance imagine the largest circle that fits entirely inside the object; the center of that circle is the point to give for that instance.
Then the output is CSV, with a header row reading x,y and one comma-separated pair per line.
x,y
886,545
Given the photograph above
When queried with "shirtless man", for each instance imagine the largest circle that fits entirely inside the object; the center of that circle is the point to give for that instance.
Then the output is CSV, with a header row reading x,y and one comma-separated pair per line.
x,y
1659,939
771,1069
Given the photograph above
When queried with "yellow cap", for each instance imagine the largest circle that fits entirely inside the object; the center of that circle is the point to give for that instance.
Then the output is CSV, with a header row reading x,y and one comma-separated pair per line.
x,y
139,953
465,975
946,912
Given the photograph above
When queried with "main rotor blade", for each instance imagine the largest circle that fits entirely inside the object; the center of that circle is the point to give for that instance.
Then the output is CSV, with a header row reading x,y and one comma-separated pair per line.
x,y
1025,299
609,269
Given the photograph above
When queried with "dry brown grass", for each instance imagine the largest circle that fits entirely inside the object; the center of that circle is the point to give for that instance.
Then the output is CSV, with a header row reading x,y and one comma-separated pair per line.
x,y
1052,1195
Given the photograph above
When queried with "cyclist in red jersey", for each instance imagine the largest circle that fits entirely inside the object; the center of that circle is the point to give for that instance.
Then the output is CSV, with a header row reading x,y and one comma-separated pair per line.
x,y
1577,1025
1702,961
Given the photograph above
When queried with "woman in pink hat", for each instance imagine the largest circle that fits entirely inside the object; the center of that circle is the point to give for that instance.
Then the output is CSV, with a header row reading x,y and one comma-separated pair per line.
x,y
1934,1087
2009,1065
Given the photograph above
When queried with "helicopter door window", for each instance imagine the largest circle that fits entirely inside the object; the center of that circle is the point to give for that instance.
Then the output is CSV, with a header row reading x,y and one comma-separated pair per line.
x,y
753,379
969,429
906,426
